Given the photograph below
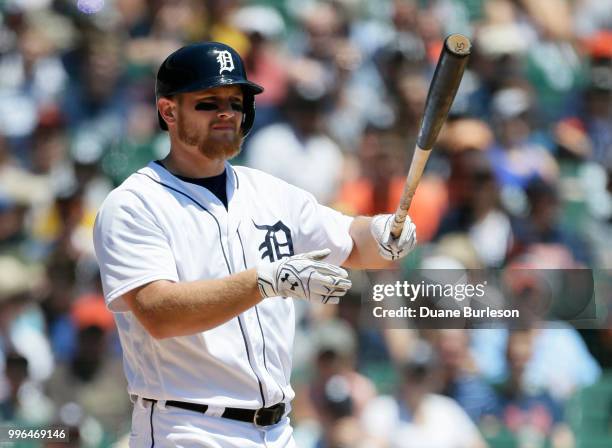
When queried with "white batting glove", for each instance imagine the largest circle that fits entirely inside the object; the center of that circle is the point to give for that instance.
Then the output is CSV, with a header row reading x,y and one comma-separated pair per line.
x,y
388,247
304,276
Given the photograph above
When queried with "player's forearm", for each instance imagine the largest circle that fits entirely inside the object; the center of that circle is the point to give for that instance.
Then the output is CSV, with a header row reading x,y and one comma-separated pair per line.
x,y
168,309
365,253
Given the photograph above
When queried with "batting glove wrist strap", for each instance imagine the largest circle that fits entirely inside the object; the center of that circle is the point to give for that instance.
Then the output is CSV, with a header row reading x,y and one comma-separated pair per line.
x,y
304,276
388,247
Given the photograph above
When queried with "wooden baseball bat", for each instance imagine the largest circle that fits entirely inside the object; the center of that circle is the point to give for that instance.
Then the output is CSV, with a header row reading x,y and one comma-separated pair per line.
x,y
442,90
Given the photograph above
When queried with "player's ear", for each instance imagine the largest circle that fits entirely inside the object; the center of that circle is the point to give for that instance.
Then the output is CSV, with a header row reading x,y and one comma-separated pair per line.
x,y
167,109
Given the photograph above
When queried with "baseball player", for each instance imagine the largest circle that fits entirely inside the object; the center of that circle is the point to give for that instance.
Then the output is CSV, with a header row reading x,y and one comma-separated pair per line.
x,y
200,263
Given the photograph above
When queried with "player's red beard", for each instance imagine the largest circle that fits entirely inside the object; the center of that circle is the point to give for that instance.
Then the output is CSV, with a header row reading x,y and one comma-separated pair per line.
x,y
209,145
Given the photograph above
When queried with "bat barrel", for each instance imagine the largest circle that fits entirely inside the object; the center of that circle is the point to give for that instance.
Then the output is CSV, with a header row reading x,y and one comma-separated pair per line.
x,y
444,85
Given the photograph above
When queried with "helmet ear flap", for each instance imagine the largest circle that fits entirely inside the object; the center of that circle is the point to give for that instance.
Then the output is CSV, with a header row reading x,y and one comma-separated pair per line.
x,y
248,117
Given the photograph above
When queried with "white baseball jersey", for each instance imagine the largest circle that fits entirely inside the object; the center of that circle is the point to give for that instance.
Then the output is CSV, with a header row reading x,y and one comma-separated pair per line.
x,y
156,226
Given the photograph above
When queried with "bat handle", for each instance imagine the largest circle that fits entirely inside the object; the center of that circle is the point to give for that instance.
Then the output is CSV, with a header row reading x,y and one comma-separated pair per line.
x,y
419,159
398,222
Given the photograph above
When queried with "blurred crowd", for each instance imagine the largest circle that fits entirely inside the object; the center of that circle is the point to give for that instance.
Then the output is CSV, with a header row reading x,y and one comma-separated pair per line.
x,y
521,175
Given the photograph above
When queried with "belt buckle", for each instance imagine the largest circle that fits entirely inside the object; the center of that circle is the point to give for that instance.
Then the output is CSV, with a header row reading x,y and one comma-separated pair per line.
x,y
256,416
278,410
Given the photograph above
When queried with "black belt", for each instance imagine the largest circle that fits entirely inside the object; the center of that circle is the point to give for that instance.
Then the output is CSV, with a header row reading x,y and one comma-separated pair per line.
x,y
259,417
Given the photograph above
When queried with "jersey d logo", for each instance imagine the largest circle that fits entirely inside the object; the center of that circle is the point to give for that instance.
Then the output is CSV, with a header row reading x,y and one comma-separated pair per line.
x,y
224,58
277,242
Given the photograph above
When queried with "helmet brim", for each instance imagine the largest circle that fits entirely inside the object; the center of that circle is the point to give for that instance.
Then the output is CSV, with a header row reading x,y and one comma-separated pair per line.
x,y
210,83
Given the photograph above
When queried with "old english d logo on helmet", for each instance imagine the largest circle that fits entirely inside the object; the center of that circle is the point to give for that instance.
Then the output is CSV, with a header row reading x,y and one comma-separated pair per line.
x,y
203,66
224,58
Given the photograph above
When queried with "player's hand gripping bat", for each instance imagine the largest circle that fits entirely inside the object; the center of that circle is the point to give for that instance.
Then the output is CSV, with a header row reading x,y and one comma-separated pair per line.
x,y
442,90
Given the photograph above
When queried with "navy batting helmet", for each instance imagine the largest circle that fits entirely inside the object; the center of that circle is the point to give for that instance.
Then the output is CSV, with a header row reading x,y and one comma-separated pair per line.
x,y
203,66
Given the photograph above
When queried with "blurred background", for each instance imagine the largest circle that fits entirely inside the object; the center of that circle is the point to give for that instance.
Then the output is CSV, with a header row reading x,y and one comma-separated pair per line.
x,y
521,176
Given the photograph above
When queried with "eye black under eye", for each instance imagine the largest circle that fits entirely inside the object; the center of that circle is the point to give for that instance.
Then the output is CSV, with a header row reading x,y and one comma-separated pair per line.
x,y
206,106
213,106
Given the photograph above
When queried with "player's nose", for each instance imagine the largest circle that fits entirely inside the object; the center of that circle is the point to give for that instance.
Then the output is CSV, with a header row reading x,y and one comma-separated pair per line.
x,y
225,115
225,111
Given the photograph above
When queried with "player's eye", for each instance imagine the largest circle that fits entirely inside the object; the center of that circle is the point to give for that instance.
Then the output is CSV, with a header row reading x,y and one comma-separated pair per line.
x,y
237,107
206,106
